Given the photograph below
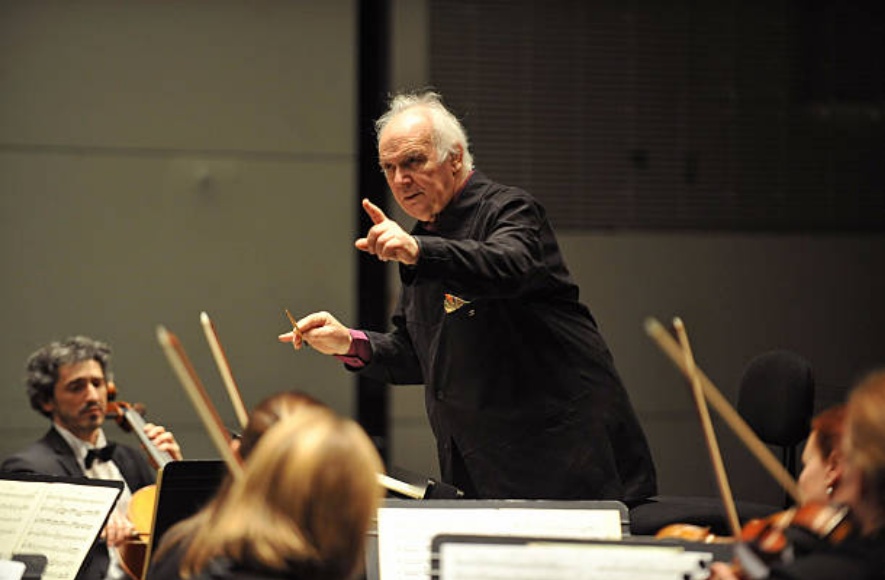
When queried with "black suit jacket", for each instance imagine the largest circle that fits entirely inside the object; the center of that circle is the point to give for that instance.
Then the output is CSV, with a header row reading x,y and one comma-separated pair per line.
x,y
52,455
520,387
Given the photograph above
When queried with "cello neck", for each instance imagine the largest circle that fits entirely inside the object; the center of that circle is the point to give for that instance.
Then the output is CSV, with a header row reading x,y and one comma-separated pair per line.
x,y
131,416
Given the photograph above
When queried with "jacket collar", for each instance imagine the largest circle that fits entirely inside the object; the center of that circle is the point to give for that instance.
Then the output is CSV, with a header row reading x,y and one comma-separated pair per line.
x,y
63,453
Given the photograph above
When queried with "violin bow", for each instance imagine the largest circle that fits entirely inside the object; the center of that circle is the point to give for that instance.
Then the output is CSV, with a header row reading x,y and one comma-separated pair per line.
x,y
743,431
183,368
224,369
400,487
212,421
697,392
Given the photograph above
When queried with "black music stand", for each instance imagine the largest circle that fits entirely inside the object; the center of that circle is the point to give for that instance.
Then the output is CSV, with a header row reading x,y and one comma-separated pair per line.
x,y
35,564
42,507
432,489
183,487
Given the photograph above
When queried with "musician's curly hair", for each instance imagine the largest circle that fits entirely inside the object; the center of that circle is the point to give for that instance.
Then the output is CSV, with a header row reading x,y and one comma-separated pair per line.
x,y
42,368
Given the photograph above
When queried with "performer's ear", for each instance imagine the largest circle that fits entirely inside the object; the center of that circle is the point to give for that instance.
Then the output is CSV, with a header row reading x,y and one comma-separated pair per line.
x,y
456,158
48,405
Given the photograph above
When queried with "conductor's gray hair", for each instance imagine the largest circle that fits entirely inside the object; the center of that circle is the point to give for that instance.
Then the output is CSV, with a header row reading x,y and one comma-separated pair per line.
x,y
447,131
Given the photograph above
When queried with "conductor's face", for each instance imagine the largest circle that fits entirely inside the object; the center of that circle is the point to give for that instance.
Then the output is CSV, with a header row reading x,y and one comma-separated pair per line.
x,y
80,399
421,183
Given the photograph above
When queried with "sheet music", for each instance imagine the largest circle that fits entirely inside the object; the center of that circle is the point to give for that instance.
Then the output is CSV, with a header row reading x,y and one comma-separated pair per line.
x,y
405,534
549,561
58,520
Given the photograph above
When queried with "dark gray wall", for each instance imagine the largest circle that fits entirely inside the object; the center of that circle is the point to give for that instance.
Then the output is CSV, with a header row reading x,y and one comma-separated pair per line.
x,y
739,295
159,159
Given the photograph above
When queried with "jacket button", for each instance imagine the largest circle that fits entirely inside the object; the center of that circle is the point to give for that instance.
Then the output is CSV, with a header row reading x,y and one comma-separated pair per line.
x,y
440,395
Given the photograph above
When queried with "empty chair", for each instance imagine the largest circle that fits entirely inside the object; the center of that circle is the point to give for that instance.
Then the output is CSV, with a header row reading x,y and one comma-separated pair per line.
x,y
776,398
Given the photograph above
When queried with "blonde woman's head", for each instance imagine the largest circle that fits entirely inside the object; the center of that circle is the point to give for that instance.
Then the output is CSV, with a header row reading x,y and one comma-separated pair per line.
x,y
307,498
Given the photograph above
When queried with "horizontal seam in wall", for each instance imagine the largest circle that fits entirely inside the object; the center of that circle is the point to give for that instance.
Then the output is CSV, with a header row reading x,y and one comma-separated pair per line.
x,y
163,152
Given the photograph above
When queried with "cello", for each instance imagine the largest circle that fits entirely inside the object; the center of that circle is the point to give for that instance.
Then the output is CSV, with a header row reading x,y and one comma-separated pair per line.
x,y
141,507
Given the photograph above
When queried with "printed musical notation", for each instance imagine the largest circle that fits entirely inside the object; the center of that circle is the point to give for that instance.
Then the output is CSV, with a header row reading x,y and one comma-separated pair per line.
x,y
405,534
56,519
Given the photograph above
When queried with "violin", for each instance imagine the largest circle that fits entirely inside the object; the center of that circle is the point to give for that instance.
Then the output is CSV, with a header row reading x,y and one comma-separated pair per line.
x,y
767,541
691,533
775,539
780,537
141,507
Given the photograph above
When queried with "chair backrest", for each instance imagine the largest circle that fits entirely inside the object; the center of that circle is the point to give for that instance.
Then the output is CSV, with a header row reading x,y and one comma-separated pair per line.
x,y
776,397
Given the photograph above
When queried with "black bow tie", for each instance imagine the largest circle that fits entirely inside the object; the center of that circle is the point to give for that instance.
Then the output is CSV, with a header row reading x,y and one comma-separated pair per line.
x,y
103,454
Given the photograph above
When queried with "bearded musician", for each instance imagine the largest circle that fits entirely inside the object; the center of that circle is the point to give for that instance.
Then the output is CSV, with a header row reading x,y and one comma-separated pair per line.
x,y
68,383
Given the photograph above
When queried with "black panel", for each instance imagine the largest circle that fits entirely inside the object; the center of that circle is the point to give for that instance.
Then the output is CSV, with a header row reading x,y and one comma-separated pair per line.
x,y
735,115
372,396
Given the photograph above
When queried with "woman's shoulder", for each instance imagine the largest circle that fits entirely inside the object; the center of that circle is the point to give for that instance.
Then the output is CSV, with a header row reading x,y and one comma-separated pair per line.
x,y
856,558
223,569
250,575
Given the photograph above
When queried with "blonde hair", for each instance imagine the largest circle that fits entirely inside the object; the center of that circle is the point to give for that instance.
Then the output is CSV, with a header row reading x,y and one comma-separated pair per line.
x,y
306,500
865,432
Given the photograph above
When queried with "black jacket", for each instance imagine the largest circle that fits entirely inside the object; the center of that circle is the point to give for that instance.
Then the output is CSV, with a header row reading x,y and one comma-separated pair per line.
x,y
521,389
858,557
167,568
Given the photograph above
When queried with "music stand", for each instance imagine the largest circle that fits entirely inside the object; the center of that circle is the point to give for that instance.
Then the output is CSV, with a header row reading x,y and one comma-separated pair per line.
x,y
183,487
402,542
566,558
53,517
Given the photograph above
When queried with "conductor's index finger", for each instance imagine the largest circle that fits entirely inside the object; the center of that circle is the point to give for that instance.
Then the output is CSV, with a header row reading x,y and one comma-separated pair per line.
x,y
374,212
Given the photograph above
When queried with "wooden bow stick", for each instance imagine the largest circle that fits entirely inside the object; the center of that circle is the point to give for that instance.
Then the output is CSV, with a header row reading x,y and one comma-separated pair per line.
x,y
744,432
180,363
697,392
224,369
400,487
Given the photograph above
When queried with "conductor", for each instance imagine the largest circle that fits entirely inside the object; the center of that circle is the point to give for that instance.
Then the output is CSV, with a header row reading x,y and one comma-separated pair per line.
x,y
521,390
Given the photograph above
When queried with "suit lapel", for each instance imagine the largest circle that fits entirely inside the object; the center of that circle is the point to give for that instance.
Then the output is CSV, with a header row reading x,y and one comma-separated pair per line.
x,y
63,453
125,459
124,464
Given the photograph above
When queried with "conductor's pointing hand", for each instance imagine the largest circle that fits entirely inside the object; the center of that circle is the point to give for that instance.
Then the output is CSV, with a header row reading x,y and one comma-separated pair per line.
x,y
386,239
